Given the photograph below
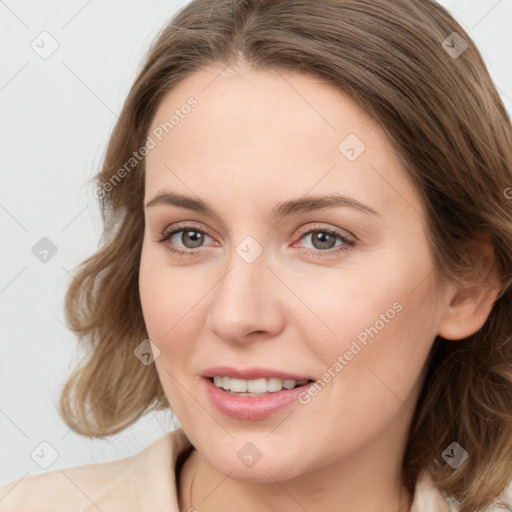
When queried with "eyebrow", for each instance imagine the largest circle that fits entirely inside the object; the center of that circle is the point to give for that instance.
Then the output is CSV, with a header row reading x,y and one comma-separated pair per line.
x,y
285,208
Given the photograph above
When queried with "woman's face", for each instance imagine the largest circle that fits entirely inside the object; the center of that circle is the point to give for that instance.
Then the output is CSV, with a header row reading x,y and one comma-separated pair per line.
x,y
300,252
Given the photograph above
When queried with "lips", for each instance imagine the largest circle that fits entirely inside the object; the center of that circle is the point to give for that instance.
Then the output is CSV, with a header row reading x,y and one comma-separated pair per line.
x,y
253,373
252,408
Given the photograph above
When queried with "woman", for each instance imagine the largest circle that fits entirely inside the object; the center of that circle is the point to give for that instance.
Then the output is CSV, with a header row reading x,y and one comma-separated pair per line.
x,y
307,257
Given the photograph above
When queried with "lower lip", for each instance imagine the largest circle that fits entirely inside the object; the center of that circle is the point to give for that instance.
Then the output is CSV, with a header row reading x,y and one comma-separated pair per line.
x,y
252,407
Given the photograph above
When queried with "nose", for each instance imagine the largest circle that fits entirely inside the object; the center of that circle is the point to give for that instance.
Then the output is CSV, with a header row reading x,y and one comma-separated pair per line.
x,y
246,302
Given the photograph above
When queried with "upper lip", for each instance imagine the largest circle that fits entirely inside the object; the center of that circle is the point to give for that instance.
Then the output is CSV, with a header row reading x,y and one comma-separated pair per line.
x,y
251,373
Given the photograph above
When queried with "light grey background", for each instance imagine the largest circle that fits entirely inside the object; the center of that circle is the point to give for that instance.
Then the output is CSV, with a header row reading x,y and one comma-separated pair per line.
x,y
57,114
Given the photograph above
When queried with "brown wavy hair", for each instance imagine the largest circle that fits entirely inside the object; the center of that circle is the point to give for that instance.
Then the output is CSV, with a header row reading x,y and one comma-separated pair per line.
x,y
442,114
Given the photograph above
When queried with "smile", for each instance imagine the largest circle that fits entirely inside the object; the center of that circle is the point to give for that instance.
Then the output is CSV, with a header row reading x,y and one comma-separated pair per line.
x,y
253,405
255,387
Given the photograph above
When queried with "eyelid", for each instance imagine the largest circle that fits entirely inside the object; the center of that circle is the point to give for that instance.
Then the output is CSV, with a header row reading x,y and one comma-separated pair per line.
x,y
183,225
323,227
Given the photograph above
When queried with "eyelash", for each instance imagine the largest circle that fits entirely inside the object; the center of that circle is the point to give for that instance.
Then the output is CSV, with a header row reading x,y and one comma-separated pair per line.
x,y
347,243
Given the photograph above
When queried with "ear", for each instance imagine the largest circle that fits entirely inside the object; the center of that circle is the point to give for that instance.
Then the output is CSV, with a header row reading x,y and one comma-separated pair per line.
x,y
470,303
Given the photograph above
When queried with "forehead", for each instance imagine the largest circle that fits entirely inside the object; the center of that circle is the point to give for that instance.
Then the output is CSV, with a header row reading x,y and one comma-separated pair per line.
x,y
260,107
250,131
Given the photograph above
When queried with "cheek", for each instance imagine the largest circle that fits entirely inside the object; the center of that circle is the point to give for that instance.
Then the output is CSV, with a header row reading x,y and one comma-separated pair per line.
x,y
372,367
169,298
370,333
170,303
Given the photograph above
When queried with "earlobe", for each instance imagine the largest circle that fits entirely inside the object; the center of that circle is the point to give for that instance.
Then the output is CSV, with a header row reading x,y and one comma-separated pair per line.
x,y
470,302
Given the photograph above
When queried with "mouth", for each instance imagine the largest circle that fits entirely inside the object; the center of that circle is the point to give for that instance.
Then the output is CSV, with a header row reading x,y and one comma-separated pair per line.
x,y
256,387
254,399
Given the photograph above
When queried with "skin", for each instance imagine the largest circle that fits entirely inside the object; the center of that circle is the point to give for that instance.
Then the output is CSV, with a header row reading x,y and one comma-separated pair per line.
x,y
255,139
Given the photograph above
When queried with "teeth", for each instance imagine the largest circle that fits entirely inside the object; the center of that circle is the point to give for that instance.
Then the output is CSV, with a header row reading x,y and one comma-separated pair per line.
x,y
288,384
237,385
255,386
274,384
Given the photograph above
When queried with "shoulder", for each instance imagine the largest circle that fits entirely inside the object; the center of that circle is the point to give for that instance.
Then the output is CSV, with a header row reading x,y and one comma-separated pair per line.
x,y
133,483
74,488
428,498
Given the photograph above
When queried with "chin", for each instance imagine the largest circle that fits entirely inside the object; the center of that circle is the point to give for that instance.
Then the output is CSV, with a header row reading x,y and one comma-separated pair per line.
x,y
265,469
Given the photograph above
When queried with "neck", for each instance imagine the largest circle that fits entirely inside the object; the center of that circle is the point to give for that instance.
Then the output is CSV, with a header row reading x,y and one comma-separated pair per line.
x,y
203,488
